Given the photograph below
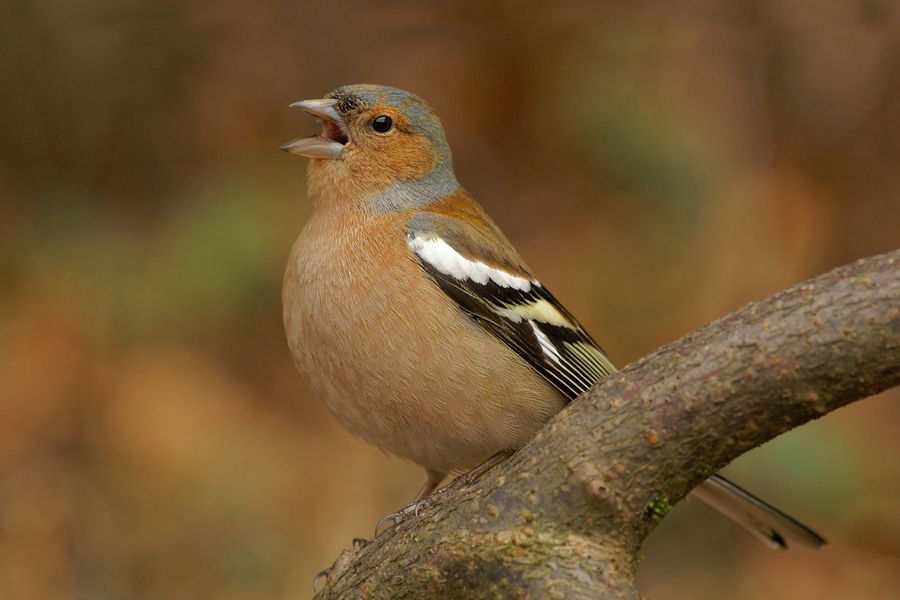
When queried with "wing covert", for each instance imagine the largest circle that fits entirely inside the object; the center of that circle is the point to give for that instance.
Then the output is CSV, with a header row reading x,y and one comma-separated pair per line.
x,y
496,289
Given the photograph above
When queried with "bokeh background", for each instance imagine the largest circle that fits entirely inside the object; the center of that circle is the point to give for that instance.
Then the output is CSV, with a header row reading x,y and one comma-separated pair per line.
x,y
658,163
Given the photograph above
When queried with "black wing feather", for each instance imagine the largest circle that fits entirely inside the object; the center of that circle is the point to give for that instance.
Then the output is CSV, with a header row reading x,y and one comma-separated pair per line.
x,y
580,363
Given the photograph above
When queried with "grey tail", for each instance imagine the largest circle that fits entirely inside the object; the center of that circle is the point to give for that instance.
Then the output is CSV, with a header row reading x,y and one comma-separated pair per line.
x,y
764,521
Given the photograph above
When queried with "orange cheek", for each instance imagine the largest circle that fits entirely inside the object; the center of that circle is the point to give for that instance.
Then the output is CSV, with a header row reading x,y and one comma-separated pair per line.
x,y
409,158
371,171
403,158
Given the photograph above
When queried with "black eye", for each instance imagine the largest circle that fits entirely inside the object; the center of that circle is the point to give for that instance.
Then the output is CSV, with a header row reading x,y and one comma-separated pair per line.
x,y
382,124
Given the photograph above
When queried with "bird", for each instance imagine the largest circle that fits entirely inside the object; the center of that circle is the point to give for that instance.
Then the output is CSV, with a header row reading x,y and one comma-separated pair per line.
x,y
414,320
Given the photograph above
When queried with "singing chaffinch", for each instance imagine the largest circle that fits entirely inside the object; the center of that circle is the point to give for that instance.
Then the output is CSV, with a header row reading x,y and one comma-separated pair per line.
x,y
414,320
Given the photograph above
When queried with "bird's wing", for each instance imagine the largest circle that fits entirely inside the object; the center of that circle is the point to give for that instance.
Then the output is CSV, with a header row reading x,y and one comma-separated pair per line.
x,y
489,282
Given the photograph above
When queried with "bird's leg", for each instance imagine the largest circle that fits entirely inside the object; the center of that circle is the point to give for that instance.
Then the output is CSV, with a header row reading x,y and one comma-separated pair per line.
x,y
434,480
465,478
487,465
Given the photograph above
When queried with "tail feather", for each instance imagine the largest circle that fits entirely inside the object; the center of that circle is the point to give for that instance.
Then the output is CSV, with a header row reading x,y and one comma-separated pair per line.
x,y
761,519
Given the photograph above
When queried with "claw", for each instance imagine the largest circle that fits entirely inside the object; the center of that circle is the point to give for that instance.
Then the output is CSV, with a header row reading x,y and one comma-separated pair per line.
x,y
397,517
321,574
361,542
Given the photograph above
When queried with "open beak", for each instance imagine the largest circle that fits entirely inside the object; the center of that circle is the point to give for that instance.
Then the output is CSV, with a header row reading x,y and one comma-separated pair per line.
x,y
333,140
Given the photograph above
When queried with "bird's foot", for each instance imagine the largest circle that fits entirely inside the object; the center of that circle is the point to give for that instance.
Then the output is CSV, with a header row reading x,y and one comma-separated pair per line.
x,y
428,494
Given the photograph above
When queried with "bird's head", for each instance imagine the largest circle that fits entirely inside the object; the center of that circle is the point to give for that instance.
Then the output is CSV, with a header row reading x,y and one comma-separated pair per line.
x,y
383,147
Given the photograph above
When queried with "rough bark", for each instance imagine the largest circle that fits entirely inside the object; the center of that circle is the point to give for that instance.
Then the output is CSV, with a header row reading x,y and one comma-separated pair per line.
x,y
565,517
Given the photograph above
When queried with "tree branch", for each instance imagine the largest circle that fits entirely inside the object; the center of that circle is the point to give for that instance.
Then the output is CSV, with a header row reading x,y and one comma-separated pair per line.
x,y
566,515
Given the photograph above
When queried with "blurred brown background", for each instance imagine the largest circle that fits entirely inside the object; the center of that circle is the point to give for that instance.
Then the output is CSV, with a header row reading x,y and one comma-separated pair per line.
x,y
658,164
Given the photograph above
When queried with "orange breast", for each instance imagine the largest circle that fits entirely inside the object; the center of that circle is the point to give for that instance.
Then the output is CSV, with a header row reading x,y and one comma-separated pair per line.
x,y
394,359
